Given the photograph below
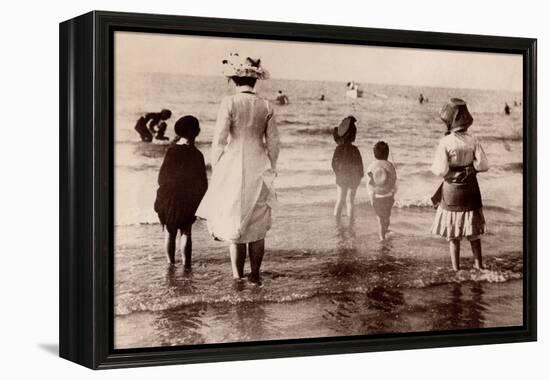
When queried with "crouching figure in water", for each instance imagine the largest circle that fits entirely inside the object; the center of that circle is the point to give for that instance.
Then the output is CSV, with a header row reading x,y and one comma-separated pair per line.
x,y
153,123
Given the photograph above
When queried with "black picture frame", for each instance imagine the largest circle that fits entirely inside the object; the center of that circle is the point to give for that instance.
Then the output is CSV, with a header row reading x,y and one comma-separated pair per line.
x,y
86,188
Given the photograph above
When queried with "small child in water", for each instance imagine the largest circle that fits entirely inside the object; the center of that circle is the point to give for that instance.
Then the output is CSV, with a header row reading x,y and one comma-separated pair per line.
x,y
347,165
382,186
182,184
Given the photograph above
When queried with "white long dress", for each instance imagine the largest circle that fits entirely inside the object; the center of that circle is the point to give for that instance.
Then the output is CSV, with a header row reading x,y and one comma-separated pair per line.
x,y
245,148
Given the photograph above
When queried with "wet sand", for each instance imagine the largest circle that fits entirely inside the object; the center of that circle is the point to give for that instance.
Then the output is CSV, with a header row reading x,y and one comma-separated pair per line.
x,y
320,278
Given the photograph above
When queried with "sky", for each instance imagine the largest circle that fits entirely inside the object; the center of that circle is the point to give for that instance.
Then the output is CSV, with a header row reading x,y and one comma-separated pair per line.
x,y
196,55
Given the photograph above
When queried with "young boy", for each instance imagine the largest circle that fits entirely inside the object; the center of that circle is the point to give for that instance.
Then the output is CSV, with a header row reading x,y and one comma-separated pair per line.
x,y
382,186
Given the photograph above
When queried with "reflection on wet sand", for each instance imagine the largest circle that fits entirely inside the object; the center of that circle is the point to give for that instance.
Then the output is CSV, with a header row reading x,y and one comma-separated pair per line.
x,y
462,308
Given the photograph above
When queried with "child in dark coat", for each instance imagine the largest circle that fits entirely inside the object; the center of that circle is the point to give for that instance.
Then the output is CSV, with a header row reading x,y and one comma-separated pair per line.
x,y
182,184
347,165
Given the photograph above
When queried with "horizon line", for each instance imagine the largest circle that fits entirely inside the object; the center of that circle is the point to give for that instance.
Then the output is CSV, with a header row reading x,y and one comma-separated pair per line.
x,y
334,81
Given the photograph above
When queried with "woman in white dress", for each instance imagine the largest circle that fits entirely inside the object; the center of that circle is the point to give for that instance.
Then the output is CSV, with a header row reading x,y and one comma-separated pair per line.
x,y
458,159
245,147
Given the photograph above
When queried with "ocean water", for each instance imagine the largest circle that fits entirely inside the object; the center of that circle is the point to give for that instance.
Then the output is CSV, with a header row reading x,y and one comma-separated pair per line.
x,y
320,278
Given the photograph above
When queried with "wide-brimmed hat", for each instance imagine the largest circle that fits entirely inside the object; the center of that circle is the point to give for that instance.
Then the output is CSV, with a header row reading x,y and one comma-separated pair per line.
x,y
346,131
380,176
241,66
345,125
455,115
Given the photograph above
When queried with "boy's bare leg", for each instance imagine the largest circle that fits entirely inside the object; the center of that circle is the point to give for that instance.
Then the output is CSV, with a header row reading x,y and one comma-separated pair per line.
x,y
386,222
351,204
476,251
340,200
237,252
454,250
186,250
170,246
381,233
256,254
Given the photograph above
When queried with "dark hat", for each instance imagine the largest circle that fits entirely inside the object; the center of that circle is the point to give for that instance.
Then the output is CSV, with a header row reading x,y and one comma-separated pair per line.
x,y
165,114
455,115
345,125
187,127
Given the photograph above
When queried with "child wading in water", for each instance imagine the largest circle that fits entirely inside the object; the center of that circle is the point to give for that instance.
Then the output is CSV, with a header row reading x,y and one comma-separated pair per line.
x,y
382,186
458,159
347,165
182,184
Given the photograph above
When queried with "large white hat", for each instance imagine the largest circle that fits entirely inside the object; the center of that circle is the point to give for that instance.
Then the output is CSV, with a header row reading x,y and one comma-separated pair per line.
x,y
380,176
239,66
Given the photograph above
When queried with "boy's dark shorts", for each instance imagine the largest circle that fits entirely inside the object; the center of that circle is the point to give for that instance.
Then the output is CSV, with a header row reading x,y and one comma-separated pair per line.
x,y
382,206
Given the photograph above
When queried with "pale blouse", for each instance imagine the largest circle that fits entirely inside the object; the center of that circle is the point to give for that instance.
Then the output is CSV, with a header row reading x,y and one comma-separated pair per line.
x,y
248,111
459,149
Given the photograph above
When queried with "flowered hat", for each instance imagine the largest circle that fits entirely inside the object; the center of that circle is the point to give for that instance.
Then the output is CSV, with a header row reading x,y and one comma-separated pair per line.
x,y
455,115
239,66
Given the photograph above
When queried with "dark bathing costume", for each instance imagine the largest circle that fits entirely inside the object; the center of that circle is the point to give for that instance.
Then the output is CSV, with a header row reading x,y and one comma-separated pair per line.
x,y
346,161
182,184
459,191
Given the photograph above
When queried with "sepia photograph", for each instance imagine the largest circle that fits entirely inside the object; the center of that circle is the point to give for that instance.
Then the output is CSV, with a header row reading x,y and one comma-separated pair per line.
x,y
277,190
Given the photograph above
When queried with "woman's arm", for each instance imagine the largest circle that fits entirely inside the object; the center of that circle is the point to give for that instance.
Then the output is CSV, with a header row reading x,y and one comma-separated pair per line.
x,y
272,139
440,164
221,131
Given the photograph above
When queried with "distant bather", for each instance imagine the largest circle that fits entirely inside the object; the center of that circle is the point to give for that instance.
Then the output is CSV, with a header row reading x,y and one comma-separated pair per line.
x,y
282,99
151,124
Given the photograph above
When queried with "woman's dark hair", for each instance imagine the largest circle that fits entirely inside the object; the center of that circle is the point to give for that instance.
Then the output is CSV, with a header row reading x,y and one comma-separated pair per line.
x,y
187,127
244,81
381,150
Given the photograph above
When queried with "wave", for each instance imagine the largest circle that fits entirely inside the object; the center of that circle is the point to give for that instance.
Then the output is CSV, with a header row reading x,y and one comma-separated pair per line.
x,y
395,275
314,131
155,149
283,122
515,167
151,166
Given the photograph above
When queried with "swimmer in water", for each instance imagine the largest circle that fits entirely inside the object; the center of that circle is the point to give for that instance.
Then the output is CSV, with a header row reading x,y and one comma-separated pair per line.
x,y
282,99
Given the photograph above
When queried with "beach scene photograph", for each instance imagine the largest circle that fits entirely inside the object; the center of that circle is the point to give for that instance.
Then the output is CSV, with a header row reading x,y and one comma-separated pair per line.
x,y
274,190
